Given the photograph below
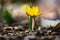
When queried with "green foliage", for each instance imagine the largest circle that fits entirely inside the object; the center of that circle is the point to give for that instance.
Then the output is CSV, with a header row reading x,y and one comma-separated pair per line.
x,y
57,26
8,17
31,5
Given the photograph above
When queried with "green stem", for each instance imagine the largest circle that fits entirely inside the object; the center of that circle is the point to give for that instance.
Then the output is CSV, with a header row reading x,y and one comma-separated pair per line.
x,y
30,23
31,5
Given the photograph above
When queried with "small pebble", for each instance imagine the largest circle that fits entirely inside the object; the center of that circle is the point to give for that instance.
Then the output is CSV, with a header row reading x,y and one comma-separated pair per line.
x,y
30,37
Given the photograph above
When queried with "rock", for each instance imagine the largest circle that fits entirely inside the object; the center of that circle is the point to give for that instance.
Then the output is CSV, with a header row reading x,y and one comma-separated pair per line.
x,y
19,28
42,38
8,29
50,36
2,38
1,24
13,39
29,37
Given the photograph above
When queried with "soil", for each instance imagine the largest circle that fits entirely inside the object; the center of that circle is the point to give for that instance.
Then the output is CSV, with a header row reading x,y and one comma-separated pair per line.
x,y
21,32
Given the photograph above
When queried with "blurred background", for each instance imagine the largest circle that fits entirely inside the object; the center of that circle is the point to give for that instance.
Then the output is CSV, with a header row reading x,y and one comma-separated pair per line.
x,y
50,8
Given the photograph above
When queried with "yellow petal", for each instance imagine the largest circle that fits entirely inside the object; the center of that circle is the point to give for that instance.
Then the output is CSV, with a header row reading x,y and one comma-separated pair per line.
x,y
40,13
35,9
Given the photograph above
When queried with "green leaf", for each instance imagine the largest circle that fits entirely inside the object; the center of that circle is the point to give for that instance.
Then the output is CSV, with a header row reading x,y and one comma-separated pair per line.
x,y
8,17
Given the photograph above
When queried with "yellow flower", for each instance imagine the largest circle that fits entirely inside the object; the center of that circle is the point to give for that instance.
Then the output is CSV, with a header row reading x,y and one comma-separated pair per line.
x,y
33,11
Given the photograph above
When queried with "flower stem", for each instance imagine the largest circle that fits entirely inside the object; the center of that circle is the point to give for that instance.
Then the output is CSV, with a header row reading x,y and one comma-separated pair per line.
x,y
30,23
33,23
